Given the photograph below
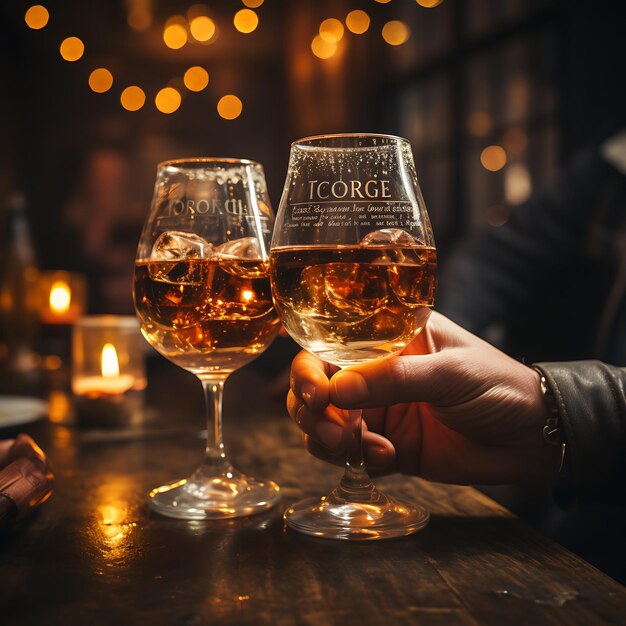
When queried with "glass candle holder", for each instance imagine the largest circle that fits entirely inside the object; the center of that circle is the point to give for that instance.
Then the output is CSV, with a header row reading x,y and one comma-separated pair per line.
x,y
108,371
63,297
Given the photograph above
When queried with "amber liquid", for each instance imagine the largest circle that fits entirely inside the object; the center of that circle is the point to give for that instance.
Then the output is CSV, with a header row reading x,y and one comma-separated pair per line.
x,y
206,316
348,304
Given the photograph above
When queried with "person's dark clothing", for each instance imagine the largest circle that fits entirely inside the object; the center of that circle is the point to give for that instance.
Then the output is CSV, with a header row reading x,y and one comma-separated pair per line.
x,y
551,283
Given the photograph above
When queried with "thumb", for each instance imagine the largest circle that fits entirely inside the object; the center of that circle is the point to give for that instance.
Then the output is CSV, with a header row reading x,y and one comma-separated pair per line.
x,y
406,378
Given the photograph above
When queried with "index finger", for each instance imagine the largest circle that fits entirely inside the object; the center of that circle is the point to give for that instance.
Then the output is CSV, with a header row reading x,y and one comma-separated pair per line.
x,y
309,380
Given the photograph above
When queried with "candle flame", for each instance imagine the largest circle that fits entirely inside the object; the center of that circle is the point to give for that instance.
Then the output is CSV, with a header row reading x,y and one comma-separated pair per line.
x,y
60,297
110,364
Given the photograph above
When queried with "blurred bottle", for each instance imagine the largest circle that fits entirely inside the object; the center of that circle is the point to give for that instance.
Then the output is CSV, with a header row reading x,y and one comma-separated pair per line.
x,y
19,292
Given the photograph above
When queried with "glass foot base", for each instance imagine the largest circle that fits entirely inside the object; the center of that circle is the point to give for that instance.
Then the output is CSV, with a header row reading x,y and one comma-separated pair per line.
x,y
209,496
334,517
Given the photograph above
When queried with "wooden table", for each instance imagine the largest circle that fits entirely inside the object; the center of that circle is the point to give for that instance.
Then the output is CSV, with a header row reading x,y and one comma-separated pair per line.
x,y
94,554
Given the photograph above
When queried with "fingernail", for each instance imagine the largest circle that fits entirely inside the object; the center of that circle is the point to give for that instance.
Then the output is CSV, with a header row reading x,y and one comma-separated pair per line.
x,y
350,387
329,434
308,394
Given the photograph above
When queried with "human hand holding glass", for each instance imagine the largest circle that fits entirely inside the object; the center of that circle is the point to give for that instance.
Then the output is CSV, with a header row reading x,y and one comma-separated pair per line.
x,y
353,271
202,295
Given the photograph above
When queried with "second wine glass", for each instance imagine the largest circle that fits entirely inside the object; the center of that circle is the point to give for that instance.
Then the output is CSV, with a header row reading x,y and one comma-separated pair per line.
x,y
202,295
353,270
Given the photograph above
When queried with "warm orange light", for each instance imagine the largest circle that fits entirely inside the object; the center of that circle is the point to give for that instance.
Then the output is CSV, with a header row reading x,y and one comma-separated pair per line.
x,y
109,364
229,107
515,140
247,295
100,80
167,100
36,17
245,21
196,78
252,4
323,49
479,123
139,18
331,30
429,4
493,158
383,1
60,297
395,33
202,28
175,36
133,98
357,21
72,49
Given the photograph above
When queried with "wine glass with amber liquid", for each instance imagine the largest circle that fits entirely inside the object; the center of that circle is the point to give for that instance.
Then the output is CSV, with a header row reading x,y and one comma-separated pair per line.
x,y
353,271
202,295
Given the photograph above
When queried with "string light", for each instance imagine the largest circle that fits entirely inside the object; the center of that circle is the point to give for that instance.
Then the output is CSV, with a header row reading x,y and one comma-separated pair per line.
x,y
515,140
100,80
245,21
493,158
167,100
252,4
36,17
175,36
383,1
323,49
395,33
331,30
202,28
479,123
429,4
133,98
196,78
357,21
72,49
229,107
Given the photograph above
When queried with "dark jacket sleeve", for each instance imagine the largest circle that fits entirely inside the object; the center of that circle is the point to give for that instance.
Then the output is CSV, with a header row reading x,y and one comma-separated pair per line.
x,y
592,410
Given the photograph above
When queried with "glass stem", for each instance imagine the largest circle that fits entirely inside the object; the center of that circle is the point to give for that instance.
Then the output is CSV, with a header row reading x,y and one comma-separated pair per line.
x,y
356,483
213,394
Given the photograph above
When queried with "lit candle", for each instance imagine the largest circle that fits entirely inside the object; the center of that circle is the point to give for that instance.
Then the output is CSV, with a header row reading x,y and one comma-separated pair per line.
x,y
63,297
108,371
110,383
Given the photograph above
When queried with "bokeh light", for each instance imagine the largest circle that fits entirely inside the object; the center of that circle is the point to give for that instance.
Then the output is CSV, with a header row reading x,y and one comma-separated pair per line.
x,y
133,98
167,100
497,215
331,30
323,49
357,21
72,48
517,183
196,78
245,21
100,80
479,123
202,28
36,17
395,33
383,1
515,140
493,158
139,16
229,107
175,36
429,4
252,4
